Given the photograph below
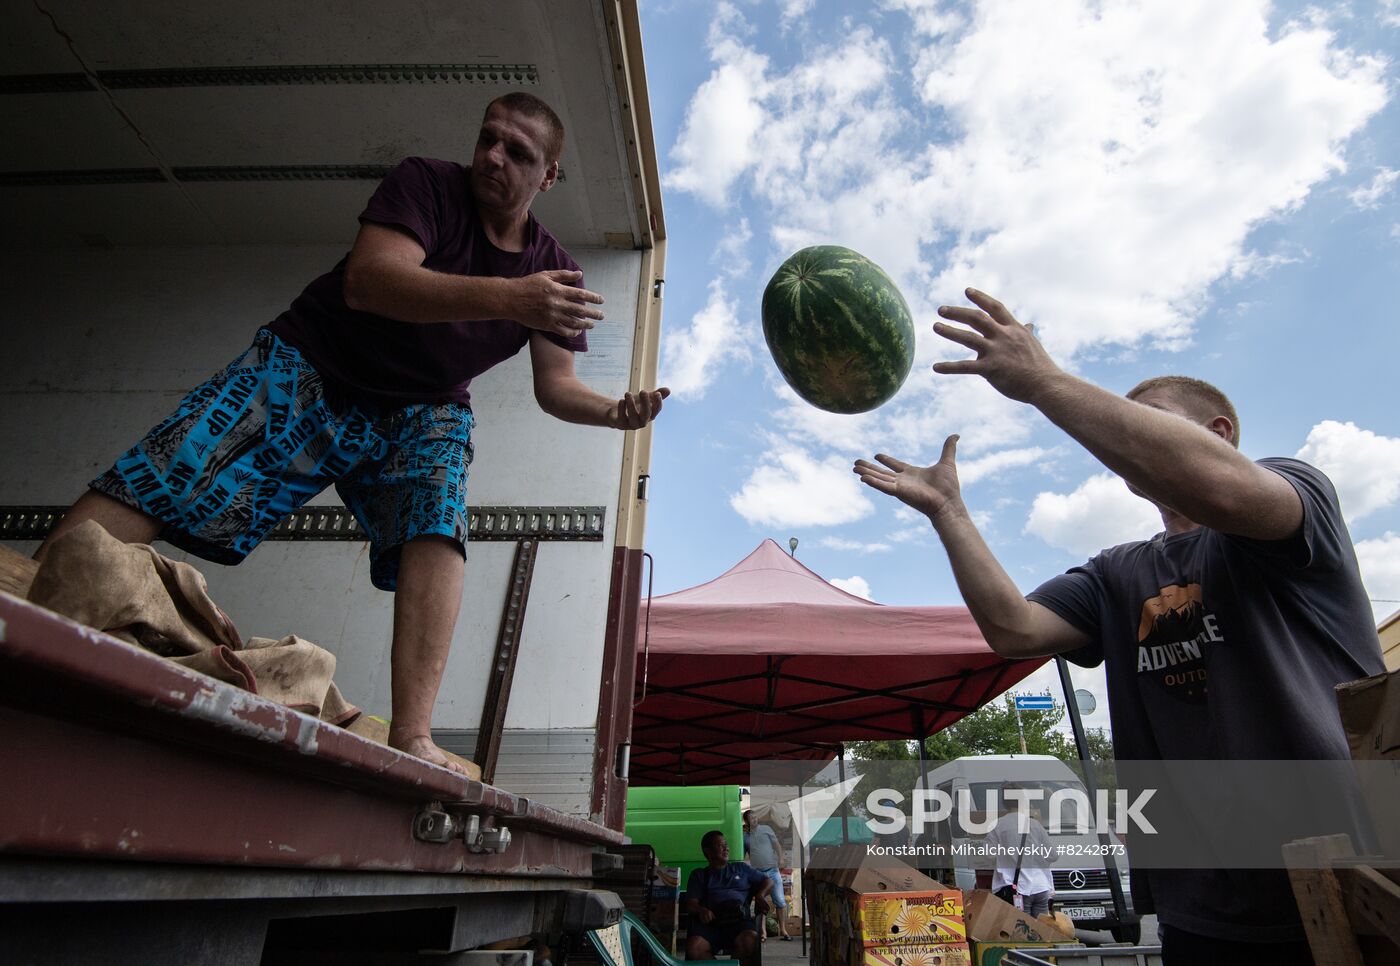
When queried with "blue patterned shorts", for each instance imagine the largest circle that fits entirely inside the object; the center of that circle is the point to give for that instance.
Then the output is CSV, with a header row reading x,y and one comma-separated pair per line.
x,y
259,439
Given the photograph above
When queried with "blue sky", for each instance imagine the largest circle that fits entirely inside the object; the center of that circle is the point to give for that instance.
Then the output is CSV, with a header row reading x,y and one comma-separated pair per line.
x,y
1167,186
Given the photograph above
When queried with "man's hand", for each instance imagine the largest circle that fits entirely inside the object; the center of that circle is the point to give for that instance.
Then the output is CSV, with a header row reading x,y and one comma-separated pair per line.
x,y
932,490
705,915
763,905
1008,354
548,302
636,409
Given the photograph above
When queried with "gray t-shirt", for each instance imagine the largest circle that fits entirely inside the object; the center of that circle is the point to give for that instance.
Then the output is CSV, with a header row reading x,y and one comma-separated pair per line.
x,y
764,848
1275,624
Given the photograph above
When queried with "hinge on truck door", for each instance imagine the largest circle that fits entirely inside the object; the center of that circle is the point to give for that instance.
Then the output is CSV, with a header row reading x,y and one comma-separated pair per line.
x,y
643,484
437,825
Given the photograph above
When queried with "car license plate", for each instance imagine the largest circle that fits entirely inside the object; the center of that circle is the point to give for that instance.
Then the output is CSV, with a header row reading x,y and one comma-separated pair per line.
x,y
1083,912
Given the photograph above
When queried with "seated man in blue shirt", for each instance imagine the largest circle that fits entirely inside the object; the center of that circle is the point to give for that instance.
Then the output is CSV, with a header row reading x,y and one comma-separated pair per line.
x,y
717,898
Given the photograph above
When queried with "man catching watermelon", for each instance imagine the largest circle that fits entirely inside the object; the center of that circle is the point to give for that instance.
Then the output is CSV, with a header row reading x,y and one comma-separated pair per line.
x,y
1254,566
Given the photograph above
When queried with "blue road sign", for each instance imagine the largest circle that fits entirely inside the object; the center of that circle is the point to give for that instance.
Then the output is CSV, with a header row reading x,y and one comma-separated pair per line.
x,y
1035,702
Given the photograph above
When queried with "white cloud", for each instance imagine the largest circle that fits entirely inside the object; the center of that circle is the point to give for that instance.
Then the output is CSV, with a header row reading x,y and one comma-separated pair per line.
x,y
1098,166
937,406
1099,513
853,585
840,543
693,356
932,18
1389,13
1252,263
803,421
1177,127
1369,195
792,489
993,464
1380,571
911,535
724,119
1181,126
731,249
794,10
1364,467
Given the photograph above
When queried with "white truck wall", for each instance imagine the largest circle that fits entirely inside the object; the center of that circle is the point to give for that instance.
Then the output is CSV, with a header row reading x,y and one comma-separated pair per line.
x,y
101,344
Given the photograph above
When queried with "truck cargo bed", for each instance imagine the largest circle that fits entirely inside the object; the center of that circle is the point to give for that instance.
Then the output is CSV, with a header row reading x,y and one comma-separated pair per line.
x,y
132,781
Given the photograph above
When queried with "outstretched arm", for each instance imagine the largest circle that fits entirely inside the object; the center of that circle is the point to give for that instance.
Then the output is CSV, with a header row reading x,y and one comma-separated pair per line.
x,y
385,275
561,394
1175,462
1012,625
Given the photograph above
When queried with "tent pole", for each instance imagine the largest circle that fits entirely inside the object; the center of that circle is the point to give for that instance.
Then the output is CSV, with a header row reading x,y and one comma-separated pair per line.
x,y
923,776
921,735
802,866
1081,743
841,775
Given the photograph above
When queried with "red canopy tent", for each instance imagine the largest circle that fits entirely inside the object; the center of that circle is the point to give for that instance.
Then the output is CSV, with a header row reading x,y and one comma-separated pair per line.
x,y
768,660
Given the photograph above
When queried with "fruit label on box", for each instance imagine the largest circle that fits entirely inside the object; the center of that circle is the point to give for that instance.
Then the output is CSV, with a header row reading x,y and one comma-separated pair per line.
x,y
919,954
933,917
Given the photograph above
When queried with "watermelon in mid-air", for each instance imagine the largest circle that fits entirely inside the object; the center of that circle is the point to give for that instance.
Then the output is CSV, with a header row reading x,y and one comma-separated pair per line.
x,y
838,329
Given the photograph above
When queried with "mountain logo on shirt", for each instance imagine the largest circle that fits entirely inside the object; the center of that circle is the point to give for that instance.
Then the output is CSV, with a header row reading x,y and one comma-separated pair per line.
x,y
1174,635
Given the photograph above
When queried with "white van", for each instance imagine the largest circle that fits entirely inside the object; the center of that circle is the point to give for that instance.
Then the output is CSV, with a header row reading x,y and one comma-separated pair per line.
x,y
1081,893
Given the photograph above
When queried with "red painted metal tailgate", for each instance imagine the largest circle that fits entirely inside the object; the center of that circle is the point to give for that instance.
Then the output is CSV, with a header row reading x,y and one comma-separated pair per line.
x,y
111,752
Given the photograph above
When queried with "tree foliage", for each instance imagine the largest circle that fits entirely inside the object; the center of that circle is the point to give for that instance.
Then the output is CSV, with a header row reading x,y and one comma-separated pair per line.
x,y
991,730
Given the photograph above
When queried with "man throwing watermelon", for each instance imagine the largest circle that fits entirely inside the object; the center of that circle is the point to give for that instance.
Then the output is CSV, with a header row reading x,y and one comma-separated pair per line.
x,y
362,382
1254,556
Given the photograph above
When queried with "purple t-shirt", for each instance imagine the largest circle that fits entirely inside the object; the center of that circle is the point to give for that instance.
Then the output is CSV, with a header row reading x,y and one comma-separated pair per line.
x,y
391,364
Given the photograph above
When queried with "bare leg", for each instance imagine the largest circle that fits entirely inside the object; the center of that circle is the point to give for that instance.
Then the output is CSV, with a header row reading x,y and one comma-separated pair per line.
x,y
118,519
746,948
425,614
697,947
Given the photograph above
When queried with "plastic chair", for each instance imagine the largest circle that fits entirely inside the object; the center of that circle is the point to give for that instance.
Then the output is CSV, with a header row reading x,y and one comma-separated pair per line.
x,y
614,945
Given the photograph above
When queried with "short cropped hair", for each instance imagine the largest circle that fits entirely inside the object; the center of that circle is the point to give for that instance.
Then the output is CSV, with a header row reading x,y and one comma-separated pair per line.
x,y
519,102
709,837
1203,400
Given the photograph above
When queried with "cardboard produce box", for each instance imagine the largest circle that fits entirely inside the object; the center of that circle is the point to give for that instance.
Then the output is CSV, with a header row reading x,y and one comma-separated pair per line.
x,y
903,905
1370,710
990,920
916,954
991,954
848,951
1058,920
884,913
